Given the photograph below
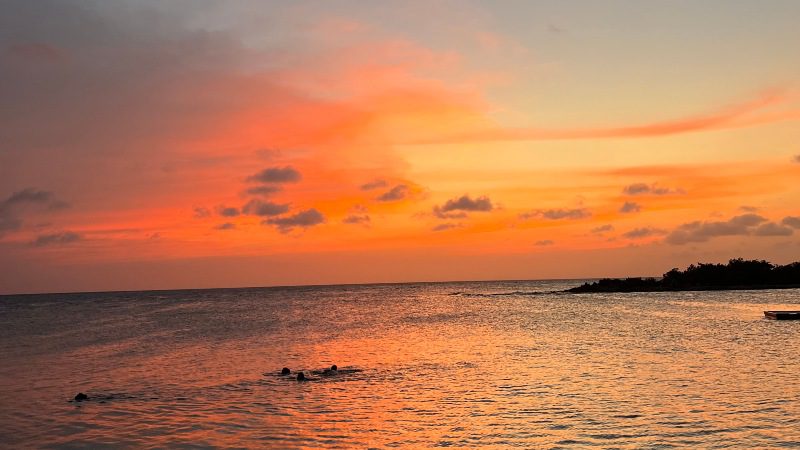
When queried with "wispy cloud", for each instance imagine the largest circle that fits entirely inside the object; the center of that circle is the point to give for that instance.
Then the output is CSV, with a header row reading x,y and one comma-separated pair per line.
x,y
398,192
645,232
742,225
374,184
302,219
650,189
557,214
602,229
736,116
357,219
265,190
287,174
226,211
445,226
630,207
225,226
201,212
14,208
66,237
459,207
791,221
544,243
261,208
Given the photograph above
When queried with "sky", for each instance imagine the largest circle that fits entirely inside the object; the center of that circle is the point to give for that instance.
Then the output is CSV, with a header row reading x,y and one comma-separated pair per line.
x,y
194,144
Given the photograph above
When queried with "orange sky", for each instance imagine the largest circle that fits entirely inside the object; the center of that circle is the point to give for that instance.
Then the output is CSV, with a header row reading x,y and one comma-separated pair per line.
x,y
168,146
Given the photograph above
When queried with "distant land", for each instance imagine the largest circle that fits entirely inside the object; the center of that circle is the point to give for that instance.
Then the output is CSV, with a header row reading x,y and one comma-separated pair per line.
x,y
738,274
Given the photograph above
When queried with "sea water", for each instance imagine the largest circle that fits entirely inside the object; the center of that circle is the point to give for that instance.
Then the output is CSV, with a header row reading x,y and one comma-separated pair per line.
x,y
478,364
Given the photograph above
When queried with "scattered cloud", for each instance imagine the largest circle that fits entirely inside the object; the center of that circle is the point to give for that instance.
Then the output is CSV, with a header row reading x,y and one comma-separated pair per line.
x,y
14,208
398,192
264,191
374,184
703,231
602,229
445,226
459,207
557,214
228,211
200,212
357,219
650,189
791,221
750,209
640,233
303,219
261,208
543,243
66,237
225,226
286,174
773,229
796,159
630,207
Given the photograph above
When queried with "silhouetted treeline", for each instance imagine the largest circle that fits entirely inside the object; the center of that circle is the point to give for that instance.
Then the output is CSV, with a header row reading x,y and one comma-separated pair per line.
x,y
737,274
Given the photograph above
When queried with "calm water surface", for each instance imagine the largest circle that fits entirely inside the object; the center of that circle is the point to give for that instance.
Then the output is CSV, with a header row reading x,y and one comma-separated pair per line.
x,y
485,364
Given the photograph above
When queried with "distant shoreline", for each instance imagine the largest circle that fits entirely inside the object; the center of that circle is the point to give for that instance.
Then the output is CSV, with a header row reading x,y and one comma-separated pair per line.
x,y
737,275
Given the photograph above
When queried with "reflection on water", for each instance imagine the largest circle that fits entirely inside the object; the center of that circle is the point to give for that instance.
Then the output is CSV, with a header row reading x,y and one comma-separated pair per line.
x,y
421,365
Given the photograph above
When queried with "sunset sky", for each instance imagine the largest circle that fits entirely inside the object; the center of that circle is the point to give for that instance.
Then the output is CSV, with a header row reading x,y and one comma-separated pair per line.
x,y
191,143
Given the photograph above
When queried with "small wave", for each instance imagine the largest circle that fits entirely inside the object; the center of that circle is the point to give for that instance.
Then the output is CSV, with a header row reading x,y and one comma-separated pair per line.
x,y
506,294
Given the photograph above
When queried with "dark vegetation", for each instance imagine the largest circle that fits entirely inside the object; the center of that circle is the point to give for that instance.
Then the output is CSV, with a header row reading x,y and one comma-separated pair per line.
x,y
737,274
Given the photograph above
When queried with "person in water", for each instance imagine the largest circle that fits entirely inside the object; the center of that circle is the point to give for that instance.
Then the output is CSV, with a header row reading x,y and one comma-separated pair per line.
x,y
285,371
301,376
331,371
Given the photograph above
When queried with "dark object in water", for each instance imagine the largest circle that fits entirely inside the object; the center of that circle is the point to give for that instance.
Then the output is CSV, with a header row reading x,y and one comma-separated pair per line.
x,y
782,315
301,376
81,397
334,368
285,371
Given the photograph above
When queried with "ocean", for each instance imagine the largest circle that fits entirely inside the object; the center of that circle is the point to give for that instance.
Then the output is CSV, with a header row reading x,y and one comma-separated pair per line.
x,y
468,364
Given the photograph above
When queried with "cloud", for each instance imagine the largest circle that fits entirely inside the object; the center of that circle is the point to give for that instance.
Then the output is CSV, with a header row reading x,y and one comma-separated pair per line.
x,y
791,221
750,209
602,229
228,211
265,190
543,243
19,203
703,231
773,229
225,226
557,214
445,226
796,159
66,237
261,208
357,219
736,116
374,184
303,219
398,192
286,174
652,189
200,212
630,207
640,233
458,207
